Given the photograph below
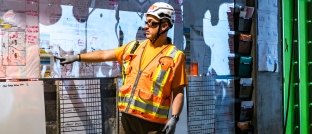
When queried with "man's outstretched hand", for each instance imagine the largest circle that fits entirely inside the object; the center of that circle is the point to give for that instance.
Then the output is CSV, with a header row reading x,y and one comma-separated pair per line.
x,y
67,59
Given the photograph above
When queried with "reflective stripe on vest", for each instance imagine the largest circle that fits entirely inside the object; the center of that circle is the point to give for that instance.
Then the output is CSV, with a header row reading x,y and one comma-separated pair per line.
x,y
138,104
161,75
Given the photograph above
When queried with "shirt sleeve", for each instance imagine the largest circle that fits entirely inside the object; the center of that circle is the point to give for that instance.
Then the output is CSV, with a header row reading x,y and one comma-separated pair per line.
x,y
180,78
119,53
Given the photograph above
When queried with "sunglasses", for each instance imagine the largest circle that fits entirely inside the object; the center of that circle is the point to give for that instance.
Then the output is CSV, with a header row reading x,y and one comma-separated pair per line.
x,y
152,24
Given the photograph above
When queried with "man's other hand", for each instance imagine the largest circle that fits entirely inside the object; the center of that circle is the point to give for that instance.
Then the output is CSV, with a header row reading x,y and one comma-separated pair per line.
x,y
170,126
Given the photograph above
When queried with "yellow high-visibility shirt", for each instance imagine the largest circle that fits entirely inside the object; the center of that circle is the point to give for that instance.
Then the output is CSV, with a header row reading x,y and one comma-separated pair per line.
x,y
150,52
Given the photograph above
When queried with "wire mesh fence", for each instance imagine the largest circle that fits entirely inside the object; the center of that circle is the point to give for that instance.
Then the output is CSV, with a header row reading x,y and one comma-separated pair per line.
x,y
83,106
210,105
88,106
201,105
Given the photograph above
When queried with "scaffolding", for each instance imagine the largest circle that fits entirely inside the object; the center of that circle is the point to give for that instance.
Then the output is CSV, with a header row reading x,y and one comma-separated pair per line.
x,y
297,63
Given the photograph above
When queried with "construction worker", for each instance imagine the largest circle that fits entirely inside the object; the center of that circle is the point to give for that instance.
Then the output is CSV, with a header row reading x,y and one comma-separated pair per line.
x,y
153,75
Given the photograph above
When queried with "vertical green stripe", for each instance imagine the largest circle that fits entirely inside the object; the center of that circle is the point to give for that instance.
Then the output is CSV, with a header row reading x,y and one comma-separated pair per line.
x,y
287,15
288,74
303,67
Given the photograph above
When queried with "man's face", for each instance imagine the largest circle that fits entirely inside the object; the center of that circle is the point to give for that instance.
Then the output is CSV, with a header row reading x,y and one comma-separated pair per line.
x,y
151,26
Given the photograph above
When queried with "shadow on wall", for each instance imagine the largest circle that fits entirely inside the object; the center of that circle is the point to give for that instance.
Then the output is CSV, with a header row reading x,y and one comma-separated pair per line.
x,y
209,34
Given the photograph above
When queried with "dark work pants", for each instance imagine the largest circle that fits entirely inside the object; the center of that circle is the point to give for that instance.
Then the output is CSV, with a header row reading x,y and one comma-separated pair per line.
x,y
136,125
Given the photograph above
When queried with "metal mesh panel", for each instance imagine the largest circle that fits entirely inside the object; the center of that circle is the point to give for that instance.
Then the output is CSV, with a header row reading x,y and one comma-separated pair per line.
x,y
201,105
210,102
80,106
83,106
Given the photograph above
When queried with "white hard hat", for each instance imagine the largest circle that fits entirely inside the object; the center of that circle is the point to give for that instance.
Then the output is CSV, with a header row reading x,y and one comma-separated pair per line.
x,y
162,10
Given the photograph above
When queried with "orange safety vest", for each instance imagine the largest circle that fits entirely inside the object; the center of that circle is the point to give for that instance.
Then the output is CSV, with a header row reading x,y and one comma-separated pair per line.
x,y
146,92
